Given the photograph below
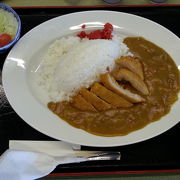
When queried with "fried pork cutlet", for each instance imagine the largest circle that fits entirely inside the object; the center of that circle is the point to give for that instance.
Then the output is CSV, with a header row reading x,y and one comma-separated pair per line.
x,y
131,63
109,96
135,80
113,85
98,103
80,103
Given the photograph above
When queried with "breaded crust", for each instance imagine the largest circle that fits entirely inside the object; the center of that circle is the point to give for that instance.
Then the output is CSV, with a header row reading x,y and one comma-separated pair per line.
x,y
131,63
112,84
109,96
98,103
80,103
135,80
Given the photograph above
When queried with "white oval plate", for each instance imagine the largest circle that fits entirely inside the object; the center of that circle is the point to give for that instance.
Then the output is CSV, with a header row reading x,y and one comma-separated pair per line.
x,y
26,55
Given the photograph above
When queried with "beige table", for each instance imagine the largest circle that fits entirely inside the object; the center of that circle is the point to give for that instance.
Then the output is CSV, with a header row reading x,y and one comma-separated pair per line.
x,y
31,3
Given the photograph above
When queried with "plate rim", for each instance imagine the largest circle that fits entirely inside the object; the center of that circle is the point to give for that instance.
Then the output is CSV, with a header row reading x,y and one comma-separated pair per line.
x,y
40,130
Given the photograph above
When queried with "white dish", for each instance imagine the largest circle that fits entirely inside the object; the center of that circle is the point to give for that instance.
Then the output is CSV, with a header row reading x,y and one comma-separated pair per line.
x,y
24,58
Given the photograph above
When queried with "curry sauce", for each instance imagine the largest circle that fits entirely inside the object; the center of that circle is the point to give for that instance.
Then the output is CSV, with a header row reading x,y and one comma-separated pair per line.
x,y
161,76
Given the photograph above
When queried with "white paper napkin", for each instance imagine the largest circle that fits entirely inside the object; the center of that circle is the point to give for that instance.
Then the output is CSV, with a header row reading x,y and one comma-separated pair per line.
x,y
29,160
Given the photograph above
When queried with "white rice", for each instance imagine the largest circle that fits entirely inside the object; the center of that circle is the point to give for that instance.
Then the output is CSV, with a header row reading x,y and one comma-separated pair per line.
x,y
71,63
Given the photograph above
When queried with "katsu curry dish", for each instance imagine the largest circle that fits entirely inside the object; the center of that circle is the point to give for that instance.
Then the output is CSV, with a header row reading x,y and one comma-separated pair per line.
x,y
106,84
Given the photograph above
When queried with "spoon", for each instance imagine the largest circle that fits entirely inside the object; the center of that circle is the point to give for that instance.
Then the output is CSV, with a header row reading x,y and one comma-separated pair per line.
x,y
28,165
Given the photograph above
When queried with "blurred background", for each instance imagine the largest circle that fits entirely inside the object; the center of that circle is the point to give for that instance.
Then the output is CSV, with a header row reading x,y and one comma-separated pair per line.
x,y
20,3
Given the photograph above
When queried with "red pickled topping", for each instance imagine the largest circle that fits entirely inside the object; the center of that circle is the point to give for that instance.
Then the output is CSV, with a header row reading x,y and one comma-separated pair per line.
x,y
83,26
4,39
95,35
108,26
105,33
82,34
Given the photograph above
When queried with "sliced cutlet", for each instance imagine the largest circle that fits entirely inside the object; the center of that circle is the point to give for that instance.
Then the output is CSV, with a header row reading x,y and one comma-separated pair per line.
x,y
135,80
109,96
131,63
113,85
98,103
80,103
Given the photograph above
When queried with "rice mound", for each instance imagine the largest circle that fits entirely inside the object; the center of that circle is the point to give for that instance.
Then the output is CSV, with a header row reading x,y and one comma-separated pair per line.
x,y
71,63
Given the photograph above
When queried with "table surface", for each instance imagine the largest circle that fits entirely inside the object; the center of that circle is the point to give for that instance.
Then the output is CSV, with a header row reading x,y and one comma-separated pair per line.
x,y
33,3
161,152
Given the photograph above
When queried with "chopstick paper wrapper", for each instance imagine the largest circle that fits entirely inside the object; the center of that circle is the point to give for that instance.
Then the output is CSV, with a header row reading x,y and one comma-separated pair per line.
x,y
28,160
52,148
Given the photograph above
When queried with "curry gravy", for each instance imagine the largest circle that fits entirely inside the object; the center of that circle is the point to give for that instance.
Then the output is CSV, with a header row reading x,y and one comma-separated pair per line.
x,y
163,81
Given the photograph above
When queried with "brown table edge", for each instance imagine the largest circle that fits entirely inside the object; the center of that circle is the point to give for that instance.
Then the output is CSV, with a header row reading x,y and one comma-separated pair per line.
x,y
139,172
